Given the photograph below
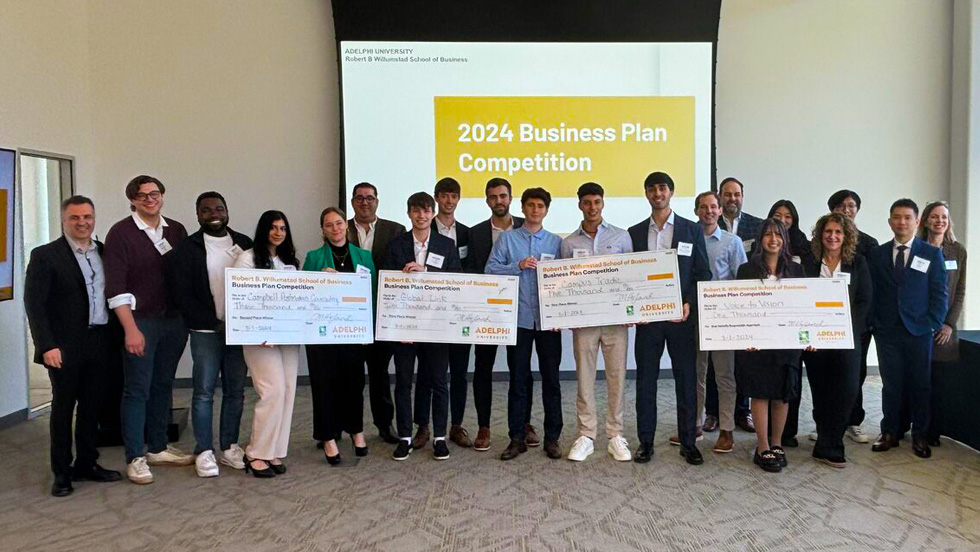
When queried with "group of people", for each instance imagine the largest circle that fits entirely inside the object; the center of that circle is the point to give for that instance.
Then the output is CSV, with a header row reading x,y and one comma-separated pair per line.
x,y
150,287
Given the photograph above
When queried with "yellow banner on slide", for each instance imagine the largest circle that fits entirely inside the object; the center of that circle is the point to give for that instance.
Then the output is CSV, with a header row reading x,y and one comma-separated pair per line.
x,y
559,143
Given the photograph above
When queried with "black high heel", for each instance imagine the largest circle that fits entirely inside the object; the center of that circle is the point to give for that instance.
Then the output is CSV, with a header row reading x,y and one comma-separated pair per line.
x,y
359,451
278,469
332,460
263,474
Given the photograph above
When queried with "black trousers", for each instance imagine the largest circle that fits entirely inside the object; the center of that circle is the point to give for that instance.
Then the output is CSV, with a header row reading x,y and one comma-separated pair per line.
x,y
792,426
484,358
378,356
857,412
679,340
834,377
433,363
459,365
905,364
337,388
78,383
548,346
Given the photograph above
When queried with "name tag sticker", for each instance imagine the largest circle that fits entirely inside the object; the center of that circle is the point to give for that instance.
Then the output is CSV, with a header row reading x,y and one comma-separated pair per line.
x,y
684,248
576,253
289,267
796,259
951,265
846,276
920,264
547,257
434,260
464,251
163,246
361,269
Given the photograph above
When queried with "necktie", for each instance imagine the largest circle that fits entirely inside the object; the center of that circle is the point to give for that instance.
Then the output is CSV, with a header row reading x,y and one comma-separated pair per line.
x,y
900,259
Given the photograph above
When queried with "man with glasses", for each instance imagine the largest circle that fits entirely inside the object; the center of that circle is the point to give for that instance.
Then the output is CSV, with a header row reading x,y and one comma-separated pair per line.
x,y
137,258
367,231
71,326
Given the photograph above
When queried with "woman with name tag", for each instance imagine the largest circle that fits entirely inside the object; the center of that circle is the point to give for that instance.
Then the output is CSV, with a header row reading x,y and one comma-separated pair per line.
x,y
337,371
272,367
937,228
769,376
835,374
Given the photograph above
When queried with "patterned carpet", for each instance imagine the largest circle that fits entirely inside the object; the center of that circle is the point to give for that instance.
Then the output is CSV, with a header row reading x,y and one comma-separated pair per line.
x,y
473,501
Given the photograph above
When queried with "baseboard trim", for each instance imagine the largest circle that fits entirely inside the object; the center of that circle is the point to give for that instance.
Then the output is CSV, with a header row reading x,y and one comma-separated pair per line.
x,y
14,418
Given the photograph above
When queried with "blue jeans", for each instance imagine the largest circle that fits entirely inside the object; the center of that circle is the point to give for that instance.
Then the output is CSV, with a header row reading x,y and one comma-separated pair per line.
x,y
148,385
212,357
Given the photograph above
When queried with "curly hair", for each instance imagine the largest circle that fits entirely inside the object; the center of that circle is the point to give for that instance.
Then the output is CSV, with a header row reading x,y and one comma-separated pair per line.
x,y
848,248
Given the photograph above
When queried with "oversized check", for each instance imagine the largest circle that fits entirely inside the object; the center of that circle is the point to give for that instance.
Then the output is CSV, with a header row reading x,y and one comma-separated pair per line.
x,y
293,307
445,307
609,289
794,313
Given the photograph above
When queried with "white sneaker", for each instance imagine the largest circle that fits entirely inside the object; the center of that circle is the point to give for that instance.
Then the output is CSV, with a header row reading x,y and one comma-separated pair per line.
x,y
581,449
205,464
812,437
233,457
138,472
170,456
857,434
619,449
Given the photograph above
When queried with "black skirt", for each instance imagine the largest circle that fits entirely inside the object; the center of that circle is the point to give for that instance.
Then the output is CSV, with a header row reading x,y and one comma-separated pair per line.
x,y
768,374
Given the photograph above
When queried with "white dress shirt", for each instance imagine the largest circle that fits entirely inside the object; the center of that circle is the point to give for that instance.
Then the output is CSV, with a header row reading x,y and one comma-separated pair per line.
x,y
448,231
365,237
908,250
421,248
660,239
496,232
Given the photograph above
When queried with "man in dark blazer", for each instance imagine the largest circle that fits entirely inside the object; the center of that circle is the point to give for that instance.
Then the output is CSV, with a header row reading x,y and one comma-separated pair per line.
x,y
447,193
367,231
667,230
910,303
74,336
482,238
421,250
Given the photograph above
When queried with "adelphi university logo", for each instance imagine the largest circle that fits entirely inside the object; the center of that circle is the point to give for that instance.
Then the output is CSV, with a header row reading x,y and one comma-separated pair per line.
x,y
348,329
831,334
488,330
657,307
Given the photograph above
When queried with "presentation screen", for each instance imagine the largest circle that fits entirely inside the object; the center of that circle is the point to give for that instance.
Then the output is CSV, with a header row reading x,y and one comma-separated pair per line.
x,y
551,115
7,159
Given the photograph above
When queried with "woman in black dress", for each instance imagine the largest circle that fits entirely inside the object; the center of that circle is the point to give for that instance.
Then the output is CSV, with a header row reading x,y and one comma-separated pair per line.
x,y
835,374
770,376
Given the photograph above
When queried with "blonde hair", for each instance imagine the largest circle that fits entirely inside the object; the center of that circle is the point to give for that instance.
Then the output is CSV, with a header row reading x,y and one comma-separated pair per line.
x,y
948,236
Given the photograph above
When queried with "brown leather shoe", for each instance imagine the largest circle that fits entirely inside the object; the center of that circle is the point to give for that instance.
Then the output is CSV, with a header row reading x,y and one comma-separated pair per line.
x,y
421,437
513,450
552,449
482,441
710,424
884,442
459,436
676,439
725,442
745,423
531,436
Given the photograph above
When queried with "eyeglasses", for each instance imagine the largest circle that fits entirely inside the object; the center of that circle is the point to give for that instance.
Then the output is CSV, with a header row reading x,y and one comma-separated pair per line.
x,y
154,195
364,199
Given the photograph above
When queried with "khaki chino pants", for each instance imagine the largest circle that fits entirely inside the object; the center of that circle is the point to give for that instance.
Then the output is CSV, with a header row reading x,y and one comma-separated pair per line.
x,y
614,341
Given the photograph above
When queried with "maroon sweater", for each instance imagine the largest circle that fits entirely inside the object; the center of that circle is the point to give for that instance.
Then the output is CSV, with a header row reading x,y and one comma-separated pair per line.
x,y
133,265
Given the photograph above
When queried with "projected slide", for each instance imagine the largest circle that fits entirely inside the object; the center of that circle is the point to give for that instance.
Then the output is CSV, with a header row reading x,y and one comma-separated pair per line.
x,y
7,158
538,114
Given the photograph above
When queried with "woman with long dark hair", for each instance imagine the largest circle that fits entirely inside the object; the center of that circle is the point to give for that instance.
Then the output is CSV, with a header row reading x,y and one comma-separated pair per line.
x,y
272,367
337,371
770,377
835,374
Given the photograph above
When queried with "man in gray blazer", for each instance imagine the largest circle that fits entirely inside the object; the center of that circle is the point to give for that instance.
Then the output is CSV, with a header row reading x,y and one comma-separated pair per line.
x,y
367,231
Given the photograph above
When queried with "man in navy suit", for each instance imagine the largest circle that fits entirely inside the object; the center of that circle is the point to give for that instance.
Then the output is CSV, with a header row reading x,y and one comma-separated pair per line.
x,y
421,250
667,230
910,303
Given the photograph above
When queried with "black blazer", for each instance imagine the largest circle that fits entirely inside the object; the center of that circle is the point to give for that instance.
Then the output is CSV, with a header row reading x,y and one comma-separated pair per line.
x,y
481,243
859,291
401,251
56,300
384,231
694,268
190,287
462,241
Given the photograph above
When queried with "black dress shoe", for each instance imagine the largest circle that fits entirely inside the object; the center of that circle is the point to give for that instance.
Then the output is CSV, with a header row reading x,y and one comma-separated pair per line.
x,y
388,435
61,486
780,455
921,448
692,456
884,442
644,453
552,449
96,473
934,442
514,449
359,451
745,423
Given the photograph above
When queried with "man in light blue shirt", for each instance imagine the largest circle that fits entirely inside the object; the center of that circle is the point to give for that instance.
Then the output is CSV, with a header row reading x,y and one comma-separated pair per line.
x,y
725,254
595,236
517,253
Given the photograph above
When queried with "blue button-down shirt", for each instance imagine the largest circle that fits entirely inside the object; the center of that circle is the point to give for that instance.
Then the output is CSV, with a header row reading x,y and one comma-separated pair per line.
x,y
511,248
90,264
725,254
609,240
